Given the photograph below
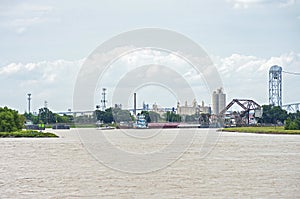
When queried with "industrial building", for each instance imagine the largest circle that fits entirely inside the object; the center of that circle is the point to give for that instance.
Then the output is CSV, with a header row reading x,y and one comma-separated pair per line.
x,y
192,109
218,101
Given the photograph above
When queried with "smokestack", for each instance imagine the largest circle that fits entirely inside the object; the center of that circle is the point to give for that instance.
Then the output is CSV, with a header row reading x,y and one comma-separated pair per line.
x,y
134,103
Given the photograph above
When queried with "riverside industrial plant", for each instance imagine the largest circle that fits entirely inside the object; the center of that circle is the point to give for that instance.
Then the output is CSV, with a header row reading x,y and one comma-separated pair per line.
x,y
194,114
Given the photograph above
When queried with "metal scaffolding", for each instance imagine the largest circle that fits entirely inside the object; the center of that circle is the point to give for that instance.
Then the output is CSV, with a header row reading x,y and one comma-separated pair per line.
x,y
275,86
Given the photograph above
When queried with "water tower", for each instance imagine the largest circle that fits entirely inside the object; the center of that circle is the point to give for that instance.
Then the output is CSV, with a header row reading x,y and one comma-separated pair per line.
x,y
275,86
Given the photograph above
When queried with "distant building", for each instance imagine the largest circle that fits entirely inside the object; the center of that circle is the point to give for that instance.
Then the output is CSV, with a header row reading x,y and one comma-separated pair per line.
x,y
204,109
186,109
192,109
145,106
158,110
218,101
118,106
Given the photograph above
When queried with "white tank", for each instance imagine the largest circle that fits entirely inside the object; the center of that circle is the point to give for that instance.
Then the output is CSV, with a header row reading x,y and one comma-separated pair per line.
x,y
222,101
215,103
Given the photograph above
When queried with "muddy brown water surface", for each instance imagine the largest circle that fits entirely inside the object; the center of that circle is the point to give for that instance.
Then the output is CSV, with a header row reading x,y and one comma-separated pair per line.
x,y
239,166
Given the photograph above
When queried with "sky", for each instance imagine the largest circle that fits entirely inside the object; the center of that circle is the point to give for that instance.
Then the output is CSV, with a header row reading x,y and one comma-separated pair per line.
x,y
45,43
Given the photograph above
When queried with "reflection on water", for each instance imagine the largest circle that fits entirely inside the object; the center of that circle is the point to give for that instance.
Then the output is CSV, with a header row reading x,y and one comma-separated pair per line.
x,y
240,165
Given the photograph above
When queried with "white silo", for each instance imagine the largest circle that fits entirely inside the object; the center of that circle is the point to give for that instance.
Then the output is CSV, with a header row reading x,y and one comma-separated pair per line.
x,y
222,100
215,103
218,101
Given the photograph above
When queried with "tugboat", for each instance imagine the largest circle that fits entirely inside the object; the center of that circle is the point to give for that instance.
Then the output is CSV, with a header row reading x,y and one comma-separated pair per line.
x,y
140,122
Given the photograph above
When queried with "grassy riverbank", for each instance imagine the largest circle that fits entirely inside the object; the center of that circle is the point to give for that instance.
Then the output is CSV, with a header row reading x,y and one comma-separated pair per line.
x,y
262,130
28,133
83,126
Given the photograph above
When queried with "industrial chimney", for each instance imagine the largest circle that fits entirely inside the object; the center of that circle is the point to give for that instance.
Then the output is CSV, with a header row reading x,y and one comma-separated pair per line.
x,y
134,103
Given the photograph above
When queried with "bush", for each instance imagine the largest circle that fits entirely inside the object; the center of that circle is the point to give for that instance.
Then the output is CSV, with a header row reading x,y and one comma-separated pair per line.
x,y
292,124
10,120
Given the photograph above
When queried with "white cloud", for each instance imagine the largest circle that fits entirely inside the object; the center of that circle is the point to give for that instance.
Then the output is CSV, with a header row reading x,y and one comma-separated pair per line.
x,y
247,76
26,22
22,16
46,80
35,8
287,3
286,60
11,10
244,4
238,4
243,76
10,68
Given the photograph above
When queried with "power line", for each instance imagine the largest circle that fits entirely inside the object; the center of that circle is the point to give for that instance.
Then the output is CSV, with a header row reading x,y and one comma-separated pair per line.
x,y
292,73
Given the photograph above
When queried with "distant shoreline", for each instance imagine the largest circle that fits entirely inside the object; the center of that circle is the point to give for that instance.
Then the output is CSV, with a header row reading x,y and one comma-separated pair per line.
x,y
262,130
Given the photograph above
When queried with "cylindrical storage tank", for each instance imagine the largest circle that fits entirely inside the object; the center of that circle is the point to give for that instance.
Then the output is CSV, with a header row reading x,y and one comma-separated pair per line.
x,y
222,102
215,103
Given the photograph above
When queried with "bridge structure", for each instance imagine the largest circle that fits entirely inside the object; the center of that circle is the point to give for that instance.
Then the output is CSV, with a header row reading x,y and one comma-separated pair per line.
x,y
77,113
160,109
89,112
246,104
294,107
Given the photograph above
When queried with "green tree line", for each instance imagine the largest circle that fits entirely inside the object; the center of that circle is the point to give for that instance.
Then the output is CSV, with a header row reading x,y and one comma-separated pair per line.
x,y
276,115
10,120
46,116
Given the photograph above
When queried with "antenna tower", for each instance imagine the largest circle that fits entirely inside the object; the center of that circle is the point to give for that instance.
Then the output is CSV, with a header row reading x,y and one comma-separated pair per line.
x,y
103,101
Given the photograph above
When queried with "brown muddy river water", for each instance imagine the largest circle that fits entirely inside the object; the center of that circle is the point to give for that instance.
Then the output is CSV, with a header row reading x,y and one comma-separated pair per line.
x,y
150,164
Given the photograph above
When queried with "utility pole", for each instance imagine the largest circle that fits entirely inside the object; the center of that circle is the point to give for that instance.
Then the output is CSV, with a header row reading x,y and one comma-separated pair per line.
x,y
29,98
103,101
46,111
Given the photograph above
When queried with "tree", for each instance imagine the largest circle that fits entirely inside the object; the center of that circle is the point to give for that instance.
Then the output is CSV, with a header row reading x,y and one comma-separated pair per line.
x,y
273,114
10,120
172,117
191,118
99,115
64,119
120,115
46,116
294,115
33,118
108,116
151,116
85,119
292,124
154,117
293,121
